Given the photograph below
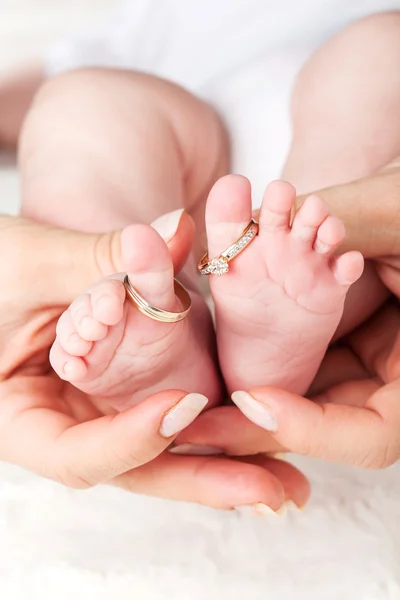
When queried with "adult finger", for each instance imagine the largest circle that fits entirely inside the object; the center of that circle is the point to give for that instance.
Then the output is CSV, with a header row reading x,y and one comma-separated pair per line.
x,y
72,260
224,430
365,437
377,345
218,482
53,444
372,352
296,486
178,230
110,252
389,271
113,444
339,365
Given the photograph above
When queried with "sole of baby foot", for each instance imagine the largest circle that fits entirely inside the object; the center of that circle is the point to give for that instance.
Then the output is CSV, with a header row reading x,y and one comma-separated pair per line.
x,y
108,349
281,301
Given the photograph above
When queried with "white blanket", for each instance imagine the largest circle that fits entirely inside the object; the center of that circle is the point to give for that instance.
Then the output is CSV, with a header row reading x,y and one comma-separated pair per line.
x,y
104,544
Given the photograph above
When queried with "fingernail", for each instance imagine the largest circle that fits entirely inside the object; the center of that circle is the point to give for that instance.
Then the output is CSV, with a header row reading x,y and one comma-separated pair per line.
x,y
195,449
182,414
258,509
260,414
167,225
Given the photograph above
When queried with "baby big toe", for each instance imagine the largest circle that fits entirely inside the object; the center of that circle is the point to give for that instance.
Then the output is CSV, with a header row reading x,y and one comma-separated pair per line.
x,y
228,212
150,267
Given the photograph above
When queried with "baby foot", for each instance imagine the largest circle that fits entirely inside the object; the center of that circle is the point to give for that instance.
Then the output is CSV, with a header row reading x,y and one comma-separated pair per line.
x,y
281,301
108,349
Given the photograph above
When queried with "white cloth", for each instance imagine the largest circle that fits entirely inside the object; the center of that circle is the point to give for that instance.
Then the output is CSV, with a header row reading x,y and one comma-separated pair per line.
x,y
240,55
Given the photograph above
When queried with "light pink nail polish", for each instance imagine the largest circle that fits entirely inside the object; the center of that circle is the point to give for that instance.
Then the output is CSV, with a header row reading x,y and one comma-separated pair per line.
x,y
167,225
182,414
254,410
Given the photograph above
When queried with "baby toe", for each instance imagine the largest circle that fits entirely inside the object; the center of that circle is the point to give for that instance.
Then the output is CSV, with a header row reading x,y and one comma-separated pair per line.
x,y
276,207
107,301
309,219
349,267
69,339
67,367
149,266
85,324
330,235
228,212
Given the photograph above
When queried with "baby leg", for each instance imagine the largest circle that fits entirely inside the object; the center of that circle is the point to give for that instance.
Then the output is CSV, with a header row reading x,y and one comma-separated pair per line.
x,y
278,307
346,125
100,150
282,298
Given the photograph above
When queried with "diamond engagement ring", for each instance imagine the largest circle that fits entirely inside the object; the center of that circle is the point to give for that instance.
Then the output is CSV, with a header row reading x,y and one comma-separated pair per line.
x,y
158,314
220,264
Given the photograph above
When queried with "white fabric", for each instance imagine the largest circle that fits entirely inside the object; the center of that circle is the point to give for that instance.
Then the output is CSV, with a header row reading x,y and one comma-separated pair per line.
x,y
108,545
241,55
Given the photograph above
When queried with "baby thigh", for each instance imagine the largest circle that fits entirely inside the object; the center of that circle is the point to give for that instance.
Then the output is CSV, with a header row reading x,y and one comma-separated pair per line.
x,y
345,117
346,125
104,148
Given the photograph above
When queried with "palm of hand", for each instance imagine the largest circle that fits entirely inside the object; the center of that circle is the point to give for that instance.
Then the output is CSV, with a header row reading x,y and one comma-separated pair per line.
x,y
35,405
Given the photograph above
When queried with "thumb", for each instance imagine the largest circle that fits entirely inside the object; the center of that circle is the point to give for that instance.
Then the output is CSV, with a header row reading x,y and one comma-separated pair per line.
x,y
75,260
176,228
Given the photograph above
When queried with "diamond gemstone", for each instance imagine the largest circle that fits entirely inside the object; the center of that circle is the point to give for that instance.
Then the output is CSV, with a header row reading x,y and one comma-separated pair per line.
x,y
242,243
218,266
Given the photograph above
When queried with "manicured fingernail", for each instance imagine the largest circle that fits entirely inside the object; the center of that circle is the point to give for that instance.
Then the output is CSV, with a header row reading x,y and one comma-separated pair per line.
x,y
258,509
167,225
260,414
195,449
182,414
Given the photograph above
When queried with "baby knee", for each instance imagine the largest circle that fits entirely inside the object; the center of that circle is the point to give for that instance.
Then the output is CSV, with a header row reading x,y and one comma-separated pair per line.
x,y
54,105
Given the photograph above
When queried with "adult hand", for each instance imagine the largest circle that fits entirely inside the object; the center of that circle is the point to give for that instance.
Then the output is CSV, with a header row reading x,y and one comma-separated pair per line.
x,y
51,428
353,418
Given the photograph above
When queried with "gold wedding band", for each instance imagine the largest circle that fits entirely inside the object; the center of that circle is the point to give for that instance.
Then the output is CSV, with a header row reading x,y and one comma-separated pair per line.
x,y
158,314
220,264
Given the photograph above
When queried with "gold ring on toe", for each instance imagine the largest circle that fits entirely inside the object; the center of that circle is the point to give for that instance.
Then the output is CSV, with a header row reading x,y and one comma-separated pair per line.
x,y
158,314
220,264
